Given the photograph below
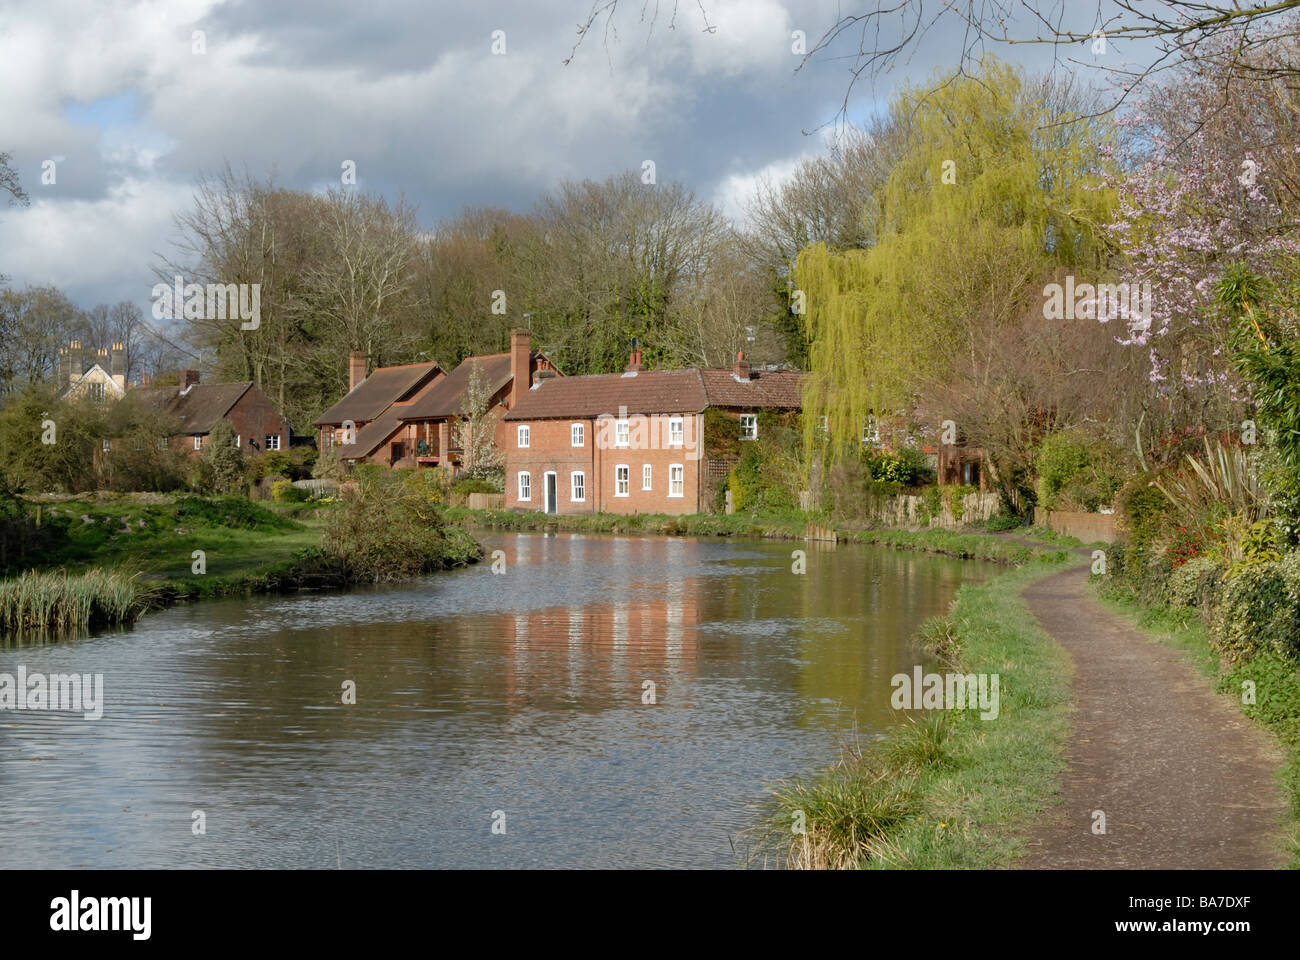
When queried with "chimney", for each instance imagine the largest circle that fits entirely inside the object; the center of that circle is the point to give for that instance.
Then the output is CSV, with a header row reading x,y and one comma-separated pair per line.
x,y
634,364
543,374
356,369
119,365
520,354
188,379
741,369
74,361
101,358
145,380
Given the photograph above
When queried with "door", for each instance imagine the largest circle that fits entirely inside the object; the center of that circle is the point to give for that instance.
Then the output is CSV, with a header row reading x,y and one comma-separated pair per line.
x,y
550,493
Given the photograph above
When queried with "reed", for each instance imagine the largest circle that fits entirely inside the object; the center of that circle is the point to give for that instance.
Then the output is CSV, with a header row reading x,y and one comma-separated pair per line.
x,y
56,603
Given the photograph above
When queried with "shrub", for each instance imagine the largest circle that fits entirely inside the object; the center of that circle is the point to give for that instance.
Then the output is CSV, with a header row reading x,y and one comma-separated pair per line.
x,y
227,512
285,492
1259,608
1194,583
1144,509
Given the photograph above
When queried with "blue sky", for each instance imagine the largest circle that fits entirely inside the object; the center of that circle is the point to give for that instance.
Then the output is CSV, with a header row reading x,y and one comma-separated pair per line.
x,y
116,95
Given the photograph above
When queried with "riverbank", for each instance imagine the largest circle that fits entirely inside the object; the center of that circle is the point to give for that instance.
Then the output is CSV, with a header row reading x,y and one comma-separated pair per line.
x,y
970,546
166,550
1268,679
950,790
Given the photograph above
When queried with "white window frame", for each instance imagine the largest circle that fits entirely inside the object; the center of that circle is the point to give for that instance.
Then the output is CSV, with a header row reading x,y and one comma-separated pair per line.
x,y
577,487
752,419
272,441
104,446
523,435
577,434
239,439
647,477
622,433
680,471
524,481
164,443
871,430
676,431
625,481
198,441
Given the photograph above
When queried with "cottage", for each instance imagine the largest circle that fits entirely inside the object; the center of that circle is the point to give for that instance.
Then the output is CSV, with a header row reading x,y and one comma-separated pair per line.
x,y
411,418
197,407
631,442
370,411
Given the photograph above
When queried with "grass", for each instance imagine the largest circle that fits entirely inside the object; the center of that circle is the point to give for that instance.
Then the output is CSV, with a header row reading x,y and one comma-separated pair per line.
x,y
1276,681
781,527
948,790
57,604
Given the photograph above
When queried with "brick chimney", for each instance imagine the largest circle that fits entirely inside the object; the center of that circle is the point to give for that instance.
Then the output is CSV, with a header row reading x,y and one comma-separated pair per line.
x,y
741,369
634,364
189,378
520,354
74,361
119,365
101,358
145,380
356,369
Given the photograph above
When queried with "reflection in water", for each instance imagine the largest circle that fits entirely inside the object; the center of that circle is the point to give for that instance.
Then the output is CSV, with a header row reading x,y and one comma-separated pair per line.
x,y
475,693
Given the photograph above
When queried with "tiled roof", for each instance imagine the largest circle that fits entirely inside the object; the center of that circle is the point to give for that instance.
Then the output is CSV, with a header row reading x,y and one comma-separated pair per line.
x,y
198,409
649,391
656,391
373,395
373,434
764,388
447,398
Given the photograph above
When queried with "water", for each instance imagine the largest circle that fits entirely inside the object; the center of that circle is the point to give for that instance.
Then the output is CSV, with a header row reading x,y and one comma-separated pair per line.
x,y
480,698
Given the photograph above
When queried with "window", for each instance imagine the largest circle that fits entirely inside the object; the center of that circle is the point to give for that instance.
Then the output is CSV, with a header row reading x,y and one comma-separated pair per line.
x,y
578,489
749,426
162,443
240,436
198,441
525,486
621,433
622,485
871,431
824,423
645,477
273,441
523,436
577,434
676,480
104,446
97,392
675,431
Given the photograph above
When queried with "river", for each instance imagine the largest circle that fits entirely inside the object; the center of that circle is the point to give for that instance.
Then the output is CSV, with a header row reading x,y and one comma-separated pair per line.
x,y
500,719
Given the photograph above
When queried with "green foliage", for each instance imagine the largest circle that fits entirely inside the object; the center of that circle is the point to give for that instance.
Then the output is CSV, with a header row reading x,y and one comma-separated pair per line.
x,y
882,318
220,468
1076,472
1145,509
1194,583
1223,481
235,512
908,467
285,492
467,485
1258,608
393,528
57,604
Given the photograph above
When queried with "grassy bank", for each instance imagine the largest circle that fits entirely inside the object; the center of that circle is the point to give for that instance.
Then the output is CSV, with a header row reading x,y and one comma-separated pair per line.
x,y
99,560
947,790
1276,682
780,527
56,604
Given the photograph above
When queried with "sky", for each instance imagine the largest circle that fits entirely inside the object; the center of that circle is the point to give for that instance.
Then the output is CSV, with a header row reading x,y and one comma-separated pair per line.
x,y
132,107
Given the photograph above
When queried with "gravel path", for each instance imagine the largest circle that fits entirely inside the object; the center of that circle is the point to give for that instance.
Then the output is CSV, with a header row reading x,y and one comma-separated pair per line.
x,y
1183,778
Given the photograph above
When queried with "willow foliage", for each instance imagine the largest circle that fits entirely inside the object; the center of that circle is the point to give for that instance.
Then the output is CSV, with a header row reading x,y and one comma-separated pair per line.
x,y
991,195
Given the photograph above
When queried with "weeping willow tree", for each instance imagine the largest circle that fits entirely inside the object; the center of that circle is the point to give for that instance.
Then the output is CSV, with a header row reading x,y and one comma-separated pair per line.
x,y
992,194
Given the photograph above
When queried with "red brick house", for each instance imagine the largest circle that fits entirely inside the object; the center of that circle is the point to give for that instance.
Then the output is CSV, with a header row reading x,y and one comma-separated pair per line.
x,y
630,442
371,410
197,407
407,416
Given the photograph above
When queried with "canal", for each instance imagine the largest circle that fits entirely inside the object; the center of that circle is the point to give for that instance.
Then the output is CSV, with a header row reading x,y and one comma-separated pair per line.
x,y
515,699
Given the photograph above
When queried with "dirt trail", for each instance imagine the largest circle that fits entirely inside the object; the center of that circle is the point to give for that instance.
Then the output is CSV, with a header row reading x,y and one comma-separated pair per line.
x,y
1184,779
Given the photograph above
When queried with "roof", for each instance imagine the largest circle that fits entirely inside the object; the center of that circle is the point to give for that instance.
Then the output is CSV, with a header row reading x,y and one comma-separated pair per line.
x,y
198,409
655,391
765,388
104,377
447,398
373,395
374,433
